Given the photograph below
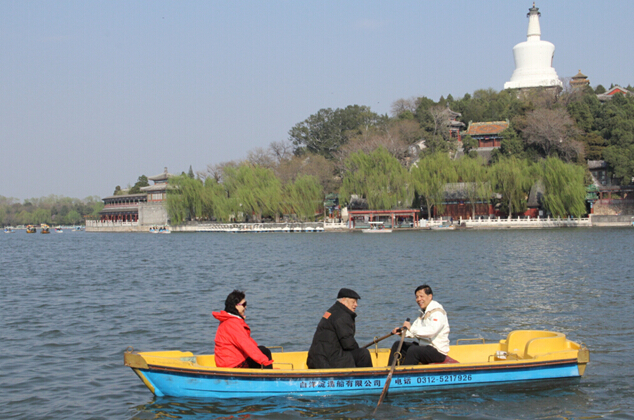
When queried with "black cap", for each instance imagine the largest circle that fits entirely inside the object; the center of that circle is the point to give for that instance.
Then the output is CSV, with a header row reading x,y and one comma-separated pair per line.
x,y
347,293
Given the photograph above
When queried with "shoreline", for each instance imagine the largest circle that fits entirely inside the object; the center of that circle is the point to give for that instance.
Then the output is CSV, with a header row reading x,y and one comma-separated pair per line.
x,y
319,227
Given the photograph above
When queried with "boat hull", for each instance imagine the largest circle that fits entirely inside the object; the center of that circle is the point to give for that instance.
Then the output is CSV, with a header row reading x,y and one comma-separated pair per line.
x,y
525,355
202,385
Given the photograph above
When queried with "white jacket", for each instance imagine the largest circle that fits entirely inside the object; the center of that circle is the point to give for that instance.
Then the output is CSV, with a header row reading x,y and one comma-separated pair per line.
x,y
432,327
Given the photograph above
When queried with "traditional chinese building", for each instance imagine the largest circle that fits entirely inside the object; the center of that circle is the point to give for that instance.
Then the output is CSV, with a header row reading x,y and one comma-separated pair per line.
x,y
454,125
457,204
487,133
146,208
579,81
610,93
158,191
391,218
122,208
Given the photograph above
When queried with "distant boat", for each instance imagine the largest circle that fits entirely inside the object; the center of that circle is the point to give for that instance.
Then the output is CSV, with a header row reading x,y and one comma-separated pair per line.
x,y
162,229
443,226
58,229
31,229
376,227
45,228
9,229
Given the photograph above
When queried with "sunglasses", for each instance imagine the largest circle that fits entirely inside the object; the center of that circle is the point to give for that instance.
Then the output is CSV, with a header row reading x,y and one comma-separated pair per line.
x,y
242,304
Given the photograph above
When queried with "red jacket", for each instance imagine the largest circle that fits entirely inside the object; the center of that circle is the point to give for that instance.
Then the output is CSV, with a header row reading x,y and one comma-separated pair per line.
x,y
234,343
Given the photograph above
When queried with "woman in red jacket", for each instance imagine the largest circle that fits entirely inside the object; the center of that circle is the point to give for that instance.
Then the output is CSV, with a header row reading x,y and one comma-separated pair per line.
x,y
234,346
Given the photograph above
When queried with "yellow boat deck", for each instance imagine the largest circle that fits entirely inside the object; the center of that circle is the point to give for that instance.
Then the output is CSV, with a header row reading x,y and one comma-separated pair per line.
x,y
519,347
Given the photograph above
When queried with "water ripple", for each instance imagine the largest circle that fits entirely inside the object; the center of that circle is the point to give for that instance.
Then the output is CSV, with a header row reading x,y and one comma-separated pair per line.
x,y
71,304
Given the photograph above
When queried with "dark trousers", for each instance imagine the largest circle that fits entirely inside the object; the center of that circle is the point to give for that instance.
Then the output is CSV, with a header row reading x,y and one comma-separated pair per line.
x,y
254,365
361,357
413,354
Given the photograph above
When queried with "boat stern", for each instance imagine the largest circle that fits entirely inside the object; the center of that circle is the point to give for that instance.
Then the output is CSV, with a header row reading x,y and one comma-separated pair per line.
x,y
583,358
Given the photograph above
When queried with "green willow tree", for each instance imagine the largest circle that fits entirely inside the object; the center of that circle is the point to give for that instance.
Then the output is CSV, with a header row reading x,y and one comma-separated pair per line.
x,y
304,197
215,202
429,177
564,185
184,199
473,173
253,190
379,178
512,179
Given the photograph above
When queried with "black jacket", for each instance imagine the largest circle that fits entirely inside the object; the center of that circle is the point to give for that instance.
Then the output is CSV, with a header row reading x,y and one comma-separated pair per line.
x,y
334,339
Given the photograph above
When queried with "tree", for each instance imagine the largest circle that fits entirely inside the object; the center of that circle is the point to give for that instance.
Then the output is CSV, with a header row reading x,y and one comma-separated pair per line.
x,y
429,177
477,186
435,144
594,146
392,137
304,197
191,172
564,186
289,170
379,178
184,198
326,131
73,218
215,202
512,179
142,181
253,190
468,144
621,161
511,144
553,132
402,107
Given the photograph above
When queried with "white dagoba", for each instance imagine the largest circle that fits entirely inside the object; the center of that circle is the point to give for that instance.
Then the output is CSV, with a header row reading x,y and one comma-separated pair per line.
x,y
533,59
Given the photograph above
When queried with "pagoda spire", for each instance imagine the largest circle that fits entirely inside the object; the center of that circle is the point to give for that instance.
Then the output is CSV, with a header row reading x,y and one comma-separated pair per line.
x,y
534,31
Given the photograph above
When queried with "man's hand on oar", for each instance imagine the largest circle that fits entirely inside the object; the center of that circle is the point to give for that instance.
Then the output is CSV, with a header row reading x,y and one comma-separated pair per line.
x,y
406,325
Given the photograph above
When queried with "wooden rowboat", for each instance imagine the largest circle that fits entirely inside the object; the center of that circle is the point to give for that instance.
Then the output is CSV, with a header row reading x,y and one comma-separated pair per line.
x,y
525,355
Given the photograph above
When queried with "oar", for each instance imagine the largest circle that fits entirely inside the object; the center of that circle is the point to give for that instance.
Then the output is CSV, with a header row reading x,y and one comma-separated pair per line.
x,y
376,340
389,376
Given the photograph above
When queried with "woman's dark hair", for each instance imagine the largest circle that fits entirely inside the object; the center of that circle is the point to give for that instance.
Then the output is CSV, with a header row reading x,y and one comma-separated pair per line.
x,y
424,288
232,300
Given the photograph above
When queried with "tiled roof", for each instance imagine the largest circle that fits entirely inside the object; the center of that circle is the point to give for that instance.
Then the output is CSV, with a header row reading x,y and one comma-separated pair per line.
x,y
484,128
124,196
597,164
119,209
156,187
161,177
616,89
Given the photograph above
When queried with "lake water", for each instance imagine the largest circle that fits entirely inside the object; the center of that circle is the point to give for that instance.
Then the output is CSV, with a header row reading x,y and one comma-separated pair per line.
x,y
71,303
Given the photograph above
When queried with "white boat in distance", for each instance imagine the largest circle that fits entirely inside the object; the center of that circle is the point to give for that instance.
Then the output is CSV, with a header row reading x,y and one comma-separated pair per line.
x,y
376,227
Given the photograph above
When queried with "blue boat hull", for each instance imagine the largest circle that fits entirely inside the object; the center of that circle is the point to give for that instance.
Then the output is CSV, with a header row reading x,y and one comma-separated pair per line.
x,y
200,384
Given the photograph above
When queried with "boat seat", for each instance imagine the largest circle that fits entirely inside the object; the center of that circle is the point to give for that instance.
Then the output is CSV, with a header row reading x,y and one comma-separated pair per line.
x,y
447,361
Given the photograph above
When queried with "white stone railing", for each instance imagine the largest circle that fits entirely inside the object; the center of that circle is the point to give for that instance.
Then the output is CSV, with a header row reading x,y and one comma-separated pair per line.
x,y
518,222
253,227
109,223
335,225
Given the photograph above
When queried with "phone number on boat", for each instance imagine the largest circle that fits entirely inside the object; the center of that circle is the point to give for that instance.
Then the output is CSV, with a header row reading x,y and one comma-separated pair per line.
x,y
443,379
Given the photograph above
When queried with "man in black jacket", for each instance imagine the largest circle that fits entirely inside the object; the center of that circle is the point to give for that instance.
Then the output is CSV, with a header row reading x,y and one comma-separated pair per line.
x,y
334,345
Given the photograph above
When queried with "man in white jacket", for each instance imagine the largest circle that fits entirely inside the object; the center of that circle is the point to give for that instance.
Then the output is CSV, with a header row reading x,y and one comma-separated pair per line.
x,y
431,330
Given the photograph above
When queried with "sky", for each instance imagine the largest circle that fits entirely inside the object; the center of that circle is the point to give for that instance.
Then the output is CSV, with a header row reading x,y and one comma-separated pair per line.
x,y
94,94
